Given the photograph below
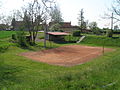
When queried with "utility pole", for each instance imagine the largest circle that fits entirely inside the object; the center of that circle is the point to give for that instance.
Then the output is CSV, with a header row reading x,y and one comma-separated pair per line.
x,y
111,30
45,33
112,22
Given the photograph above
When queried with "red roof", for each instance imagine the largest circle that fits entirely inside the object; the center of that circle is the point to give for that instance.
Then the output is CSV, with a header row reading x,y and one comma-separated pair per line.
x,y
58,33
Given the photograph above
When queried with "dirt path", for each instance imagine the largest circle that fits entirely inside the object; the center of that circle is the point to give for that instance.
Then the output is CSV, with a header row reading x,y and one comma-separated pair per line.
x,y
67,55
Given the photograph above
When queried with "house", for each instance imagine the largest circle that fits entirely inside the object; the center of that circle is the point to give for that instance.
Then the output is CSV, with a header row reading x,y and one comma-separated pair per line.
x,y
86,31
4,27
18,25
65,26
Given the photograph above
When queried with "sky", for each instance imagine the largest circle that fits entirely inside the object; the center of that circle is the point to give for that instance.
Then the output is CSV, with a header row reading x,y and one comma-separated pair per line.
x,y
94,10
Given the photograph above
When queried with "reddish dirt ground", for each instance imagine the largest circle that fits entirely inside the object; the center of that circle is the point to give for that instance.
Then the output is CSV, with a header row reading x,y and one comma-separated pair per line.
x,y
67,55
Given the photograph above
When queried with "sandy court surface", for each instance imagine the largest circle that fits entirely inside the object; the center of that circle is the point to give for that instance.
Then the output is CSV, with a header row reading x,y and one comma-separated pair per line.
x,y
66,55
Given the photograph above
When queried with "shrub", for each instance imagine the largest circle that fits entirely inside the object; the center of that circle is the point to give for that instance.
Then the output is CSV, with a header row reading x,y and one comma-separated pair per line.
x,y
71,38
109,33
4,47
97,31
14,37
21,39
76,33
116,31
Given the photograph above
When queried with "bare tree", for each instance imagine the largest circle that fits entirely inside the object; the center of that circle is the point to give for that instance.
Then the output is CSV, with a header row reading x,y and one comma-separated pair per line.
x,y
115,15
6,19
35,14
116,7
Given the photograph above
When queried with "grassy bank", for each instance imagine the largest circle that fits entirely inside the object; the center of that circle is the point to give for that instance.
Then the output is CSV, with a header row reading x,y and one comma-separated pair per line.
x,y
24,74
101,40
20,73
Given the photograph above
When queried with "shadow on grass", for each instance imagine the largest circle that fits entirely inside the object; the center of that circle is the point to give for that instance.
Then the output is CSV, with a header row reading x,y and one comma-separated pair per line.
x,y
32,47
64,42
8,75
115,37
56,44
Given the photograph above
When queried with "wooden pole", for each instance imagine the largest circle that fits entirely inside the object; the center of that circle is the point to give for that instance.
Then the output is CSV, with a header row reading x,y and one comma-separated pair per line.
x,y
45,34
103,49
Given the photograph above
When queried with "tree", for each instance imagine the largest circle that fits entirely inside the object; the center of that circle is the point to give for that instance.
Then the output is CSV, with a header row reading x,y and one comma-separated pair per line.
x,y
93,26
81,21
35,14
116,27
116,7
6,20
116,10
55,27
56,15
13,23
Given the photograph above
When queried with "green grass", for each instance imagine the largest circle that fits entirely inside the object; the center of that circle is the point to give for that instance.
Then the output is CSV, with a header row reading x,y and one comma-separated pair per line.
x,y
6,34
41,35
71,38
20,73
24,74
4,40
102,40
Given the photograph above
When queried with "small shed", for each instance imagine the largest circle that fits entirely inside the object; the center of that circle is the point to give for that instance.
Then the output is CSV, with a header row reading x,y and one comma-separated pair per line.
x,y
56,36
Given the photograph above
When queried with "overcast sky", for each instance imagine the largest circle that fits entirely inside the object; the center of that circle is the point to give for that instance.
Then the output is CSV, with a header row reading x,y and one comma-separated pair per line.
x,y
93,9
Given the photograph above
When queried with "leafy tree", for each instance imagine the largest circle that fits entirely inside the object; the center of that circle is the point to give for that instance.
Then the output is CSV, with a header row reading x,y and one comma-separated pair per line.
x,y
76,33
21,38
81,22
93,26
116,27
56,15
109,33
55,27
13,23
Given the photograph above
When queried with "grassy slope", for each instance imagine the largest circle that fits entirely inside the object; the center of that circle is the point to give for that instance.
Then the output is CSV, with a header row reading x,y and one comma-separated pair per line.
x,y
22,73
19,73
100,40
6,34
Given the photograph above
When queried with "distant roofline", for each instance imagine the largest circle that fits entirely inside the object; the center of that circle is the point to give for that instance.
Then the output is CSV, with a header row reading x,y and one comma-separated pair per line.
x,y
57,33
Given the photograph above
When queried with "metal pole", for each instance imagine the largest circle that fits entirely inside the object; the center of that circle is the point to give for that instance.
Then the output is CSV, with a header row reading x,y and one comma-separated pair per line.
x,y
112,22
